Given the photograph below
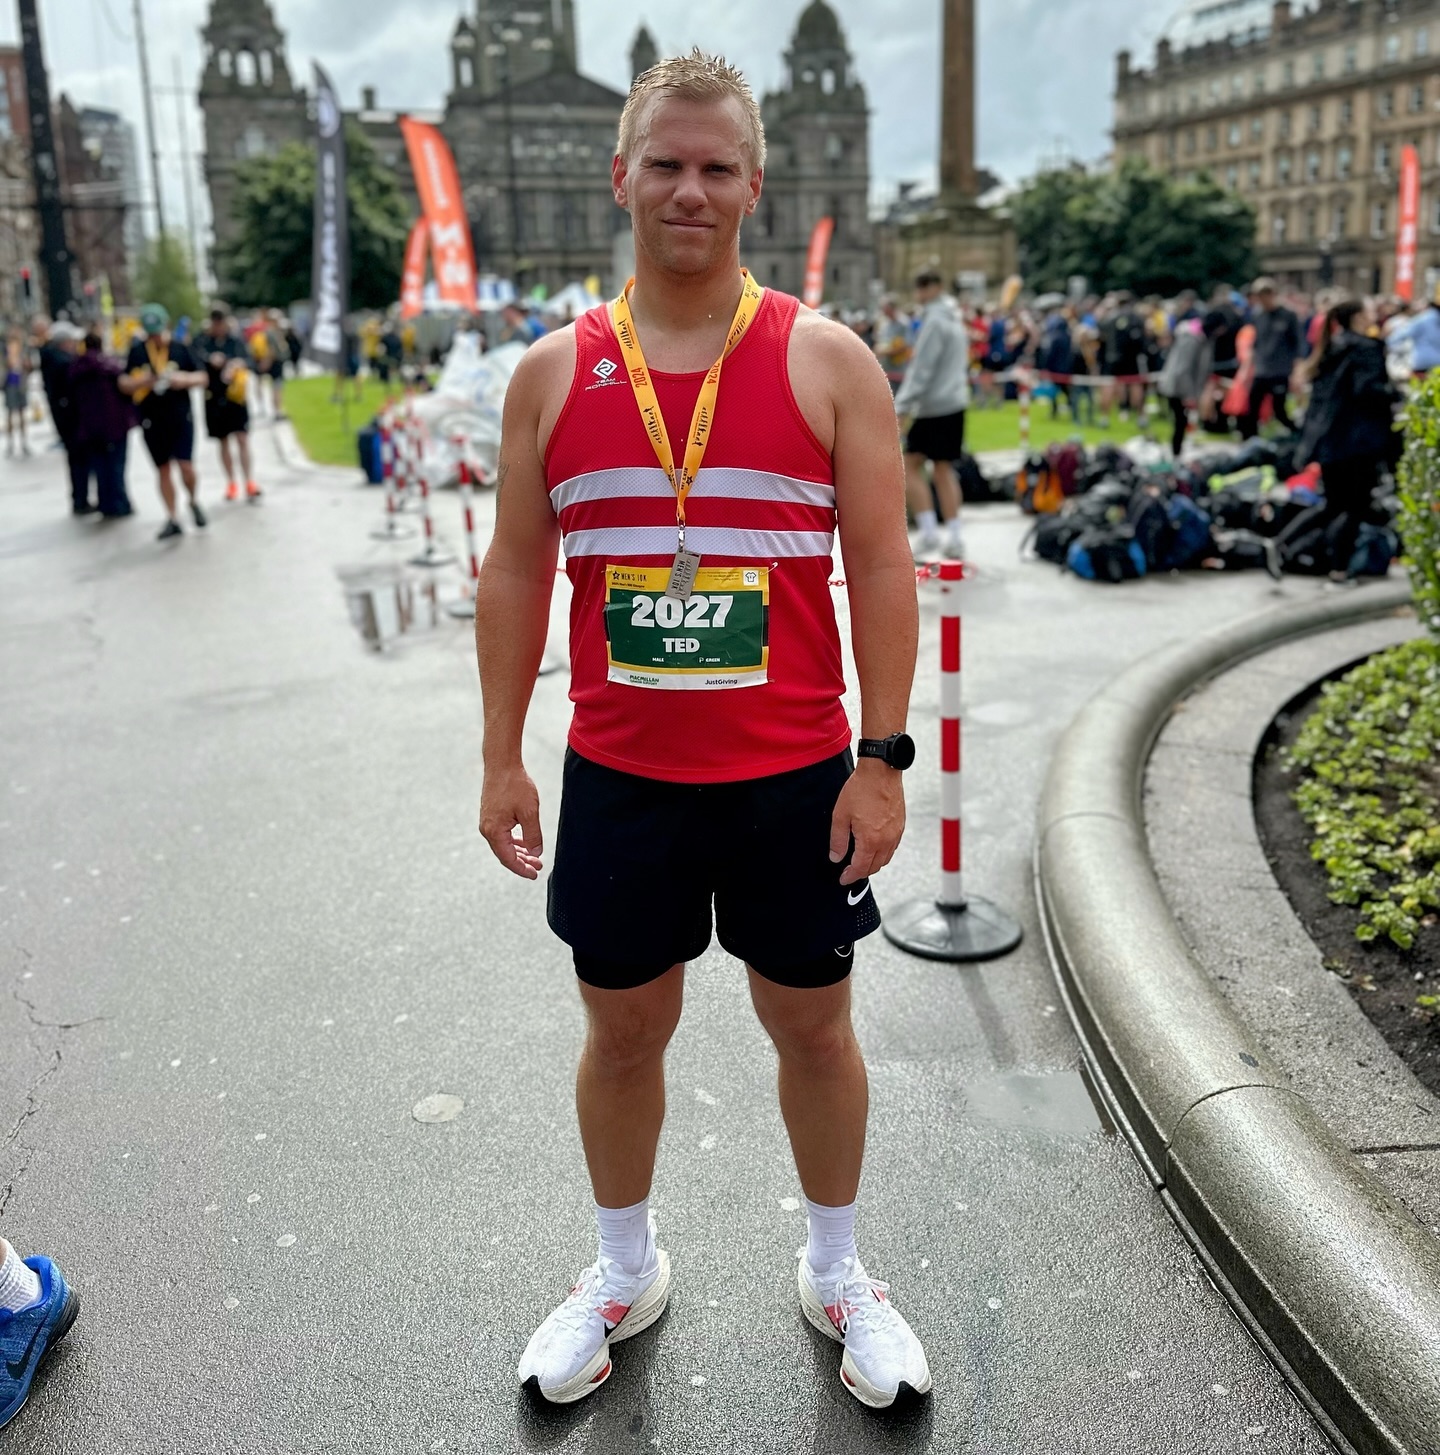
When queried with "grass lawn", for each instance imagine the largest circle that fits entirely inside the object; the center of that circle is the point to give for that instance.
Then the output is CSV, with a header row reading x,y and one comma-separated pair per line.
x,y
999,429
320,424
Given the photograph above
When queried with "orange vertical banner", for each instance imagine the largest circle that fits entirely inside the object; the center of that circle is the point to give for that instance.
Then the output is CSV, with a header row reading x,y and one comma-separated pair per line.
x,y
444,207
412,281
815,262
1407,236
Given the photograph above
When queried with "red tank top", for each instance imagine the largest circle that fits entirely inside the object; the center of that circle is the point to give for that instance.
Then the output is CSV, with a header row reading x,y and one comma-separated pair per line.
x,y
764,501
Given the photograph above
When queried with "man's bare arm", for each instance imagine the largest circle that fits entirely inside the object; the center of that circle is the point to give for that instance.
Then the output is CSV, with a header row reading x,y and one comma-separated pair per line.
x,y
880,575
512,614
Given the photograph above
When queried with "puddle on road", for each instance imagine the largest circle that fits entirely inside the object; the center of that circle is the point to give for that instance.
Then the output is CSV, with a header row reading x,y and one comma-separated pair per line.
x,y
385,601
1059,1105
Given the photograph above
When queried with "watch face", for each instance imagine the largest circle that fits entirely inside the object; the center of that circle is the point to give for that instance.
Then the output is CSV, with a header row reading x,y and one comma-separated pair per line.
x,y
902,751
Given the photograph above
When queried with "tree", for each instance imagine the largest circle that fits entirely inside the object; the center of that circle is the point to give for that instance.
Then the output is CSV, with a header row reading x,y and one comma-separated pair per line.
x,y
1135,228
274,210
164,276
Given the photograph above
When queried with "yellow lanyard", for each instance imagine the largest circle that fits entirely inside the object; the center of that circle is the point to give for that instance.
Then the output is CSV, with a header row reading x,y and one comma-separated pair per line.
x,y
683,479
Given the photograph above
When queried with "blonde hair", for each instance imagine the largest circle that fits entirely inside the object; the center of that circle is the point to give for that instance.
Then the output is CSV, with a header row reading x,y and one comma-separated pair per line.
x,y
696,77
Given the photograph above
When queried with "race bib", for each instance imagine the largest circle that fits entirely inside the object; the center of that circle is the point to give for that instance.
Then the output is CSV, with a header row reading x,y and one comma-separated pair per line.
x,y
717,639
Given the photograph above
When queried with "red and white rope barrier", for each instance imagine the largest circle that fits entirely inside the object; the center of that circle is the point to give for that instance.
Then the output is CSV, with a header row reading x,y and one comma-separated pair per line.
x,y
1022,393
465,606
951,887
393,529
433,553
952,927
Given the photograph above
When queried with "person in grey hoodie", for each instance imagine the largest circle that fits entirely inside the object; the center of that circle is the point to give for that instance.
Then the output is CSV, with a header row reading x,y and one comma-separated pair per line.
x,y
1277,350
933,396
1187,370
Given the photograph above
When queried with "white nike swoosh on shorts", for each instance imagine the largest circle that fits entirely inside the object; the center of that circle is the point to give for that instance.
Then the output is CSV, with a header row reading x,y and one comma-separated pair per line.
x,y
853,899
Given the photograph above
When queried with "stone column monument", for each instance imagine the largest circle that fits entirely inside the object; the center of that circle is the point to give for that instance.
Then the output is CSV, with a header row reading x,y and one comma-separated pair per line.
x,y
957,236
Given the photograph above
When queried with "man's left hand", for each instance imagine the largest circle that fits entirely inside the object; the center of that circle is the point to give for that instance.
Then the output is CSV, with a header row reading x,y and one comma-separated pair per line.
x,y
871,810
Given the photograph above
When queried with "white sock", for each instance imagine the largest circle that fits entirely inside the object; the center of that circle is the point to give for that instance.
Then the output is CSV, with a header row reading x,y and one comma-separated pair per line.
x,y
927,520
952,529
19,1287
832,1235
624,1235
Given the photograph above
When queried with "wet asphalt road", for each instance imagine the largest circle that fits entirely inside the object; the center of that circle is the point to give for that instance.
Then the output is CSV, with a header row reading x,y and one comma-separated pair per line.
x,y
246,925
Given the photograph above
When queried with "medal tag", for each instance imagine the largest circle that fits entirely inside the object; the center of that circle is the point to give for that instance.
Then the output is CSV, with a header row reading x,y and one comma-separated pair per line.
x,y
682,575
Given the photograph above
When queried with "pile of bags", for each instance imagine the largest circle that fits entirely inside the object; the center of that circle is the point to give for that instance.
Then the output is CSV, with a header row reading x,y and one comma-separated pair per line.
x,y
1107,518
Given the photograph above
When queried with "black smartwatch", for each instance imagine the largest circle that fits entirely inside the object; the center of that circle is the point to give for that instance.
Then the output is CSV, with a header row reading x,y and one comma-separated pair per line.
x,y
896,751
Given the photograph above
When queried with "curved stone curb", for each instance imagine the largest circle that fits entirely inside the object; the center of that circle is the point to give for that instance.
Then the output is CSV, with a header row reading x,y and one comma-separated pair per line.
x,y
1332,1275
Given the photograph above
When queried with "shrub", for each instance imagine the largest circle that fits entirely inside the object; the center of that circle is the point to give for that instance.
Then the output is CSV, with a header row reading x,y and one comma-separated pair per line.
x,y
1370,756
1419,482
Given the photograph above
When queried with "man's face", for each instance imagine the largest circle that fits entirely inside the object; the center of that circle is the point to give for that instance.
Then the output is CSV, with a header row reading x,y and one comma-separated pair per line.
x,y
219,327
1266,299
927,294
690,184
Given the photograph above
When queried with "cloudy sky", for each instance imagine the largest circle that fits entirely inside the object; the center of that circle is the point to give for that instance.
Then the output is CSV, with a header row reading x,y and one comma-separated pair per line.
x,y
1046,66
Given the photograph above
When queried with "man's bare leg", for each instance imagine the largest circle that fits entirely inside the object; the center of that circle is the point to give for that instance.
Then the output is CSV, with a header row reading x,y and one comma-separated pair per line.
x,y
167,488
620,1086
824,1090
228,461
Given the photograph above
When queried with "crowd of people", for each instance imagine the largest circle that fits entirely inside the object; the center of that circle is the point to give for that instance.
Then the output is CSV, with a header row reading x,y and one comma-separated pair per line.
x,y
1231,363
101,384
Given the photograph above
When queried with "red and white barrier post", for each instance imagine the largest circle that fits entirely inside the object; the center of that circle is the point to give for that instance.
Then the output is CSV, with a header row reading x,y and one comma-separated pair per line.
x,y
393,529
433,554
1023,385
952,927
464,609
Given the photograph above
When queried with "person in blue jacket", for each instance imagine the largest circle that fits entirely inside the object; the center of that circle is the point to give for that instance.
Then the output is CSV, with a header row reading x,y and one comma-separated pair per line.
x,y
1422,332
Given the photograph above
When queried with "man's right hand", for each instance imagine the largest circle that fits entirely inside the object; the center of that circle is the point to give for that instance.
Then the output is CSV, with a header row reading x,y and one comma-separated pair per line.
x,y
509,800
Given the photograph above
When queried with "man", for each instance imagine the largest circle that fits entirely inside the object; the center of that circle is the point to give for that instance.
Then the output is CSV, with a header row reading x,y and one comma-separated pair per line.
x,y
516,325
159,374
1277,347
934,396
18,364
743,782
1125,349
37,1309
227,409
892,338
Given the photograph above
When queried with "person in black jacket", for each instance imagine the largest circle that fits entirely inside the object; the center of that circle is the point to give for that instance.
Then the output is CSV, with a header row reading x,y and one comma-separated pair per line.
x,y
1349,427
1278,341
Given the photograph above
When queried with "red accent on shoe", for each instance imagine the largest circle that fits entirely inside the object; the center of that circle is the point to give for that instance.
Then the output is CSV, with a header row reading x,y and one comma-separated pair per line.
x,y
613,1312
251,488
847,1379
601,1374
837,1315
232,491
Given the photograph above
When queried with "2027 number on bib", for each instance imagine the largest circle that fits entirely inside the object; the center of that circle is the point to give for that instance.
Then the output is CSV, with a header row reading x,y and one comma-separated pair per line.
x,y
719,638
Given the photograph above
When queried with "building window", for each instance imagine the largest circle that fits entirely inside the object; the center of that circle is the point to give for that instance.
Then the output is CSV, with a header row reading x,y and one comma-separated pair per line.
x,y
1347,112
1215,89
1378,214
1312,165
1312,222
1235,134
1284,127
1340,218
1259,85
1194,98
1237,84
1317,118
1385,103
1344,162
227,65
1382,158
1317,65
1277,227
1212,138
1392,47
1422,41
1232,178
1255,174
1282,169
1417,97
245,68
1190,143
267,69
1257,128
1352,59
1287,74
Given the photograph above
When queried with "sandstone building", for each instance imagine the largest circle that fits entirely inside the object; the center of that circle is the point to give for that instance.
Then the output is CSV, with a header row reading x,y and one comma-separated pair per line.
x,y
533,138
1302,108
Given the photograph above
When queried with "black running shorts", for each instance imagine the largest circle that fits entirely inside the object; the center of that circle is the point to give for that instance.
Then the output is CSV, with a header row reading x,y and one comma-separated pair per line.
x,y
168,439
941,437
640,864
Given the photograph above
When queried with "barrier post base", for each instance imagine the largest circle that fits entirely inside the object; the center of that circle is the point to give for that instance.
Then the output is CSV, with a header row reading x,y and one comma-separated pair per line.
x,y
433,556
392,532
462,610
973,931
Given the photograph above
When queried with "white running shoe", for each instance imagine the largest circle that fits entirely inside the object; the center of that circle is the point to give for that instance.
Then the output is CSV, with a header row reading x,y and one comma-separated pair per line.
x,y
568,1356
883,1358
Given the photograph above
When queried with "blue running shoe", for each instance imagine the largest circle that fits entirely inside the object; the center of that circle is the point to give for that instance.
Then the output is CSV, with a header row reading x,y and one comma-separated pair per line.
x,y
26,1337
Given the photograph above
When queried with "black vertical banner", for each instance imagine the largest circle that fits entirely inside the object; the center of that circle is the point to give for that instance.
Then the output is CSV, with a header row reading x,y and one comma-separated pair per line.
x,y
330,261
55,251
